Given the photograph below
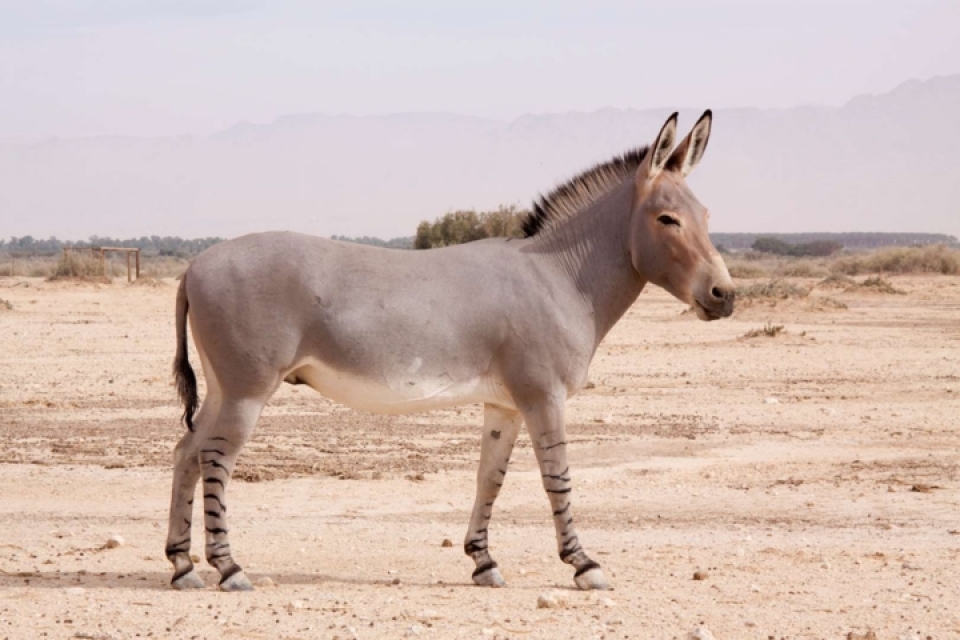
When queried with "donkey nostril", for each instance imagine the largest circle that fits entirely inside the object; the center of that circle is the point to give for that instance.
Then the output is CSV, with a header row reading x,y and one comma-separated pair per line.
x,y
716,293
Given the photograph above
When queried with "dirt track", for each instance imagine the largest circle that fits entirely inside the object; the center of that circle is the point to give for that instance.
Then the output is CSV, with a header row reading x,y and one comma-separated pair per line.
x,y
813,475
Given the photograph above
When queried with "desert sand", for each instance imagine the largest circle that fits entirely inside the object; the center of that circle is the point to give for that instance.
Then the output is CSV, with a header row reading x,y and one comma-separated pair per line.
x,y
811,478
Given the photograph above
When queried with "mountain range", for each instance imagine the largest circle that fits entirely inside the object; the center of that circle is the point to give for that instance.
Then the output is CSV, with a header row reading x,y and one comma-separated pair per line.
x,y
888,162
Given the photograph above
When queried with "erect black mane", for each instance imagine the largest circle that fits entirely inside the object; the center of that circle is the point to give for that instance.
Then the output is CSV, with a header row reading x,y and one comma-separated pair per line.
x,y
581,191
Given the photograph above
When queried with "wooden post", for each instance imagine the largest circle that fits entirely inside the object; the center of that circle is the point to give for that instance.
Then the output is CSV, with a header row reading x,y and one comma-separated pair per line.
x,y
138,264
103,269
129,278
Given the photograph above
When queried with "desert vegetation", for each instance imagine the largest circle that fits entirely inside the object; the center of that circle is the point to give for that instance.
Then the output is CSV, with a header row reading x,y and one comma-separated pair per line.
x,y
458,227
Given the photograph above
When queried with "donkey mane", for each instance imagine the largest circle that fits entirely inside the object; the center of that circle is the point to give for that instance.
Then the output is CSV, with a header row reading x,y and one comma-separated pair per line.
x,y
581,191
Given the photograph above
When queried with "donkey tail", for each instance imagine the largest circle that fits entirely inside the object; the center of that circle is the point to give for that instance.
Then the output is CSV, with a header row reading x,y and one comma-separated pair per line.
x,y
183,373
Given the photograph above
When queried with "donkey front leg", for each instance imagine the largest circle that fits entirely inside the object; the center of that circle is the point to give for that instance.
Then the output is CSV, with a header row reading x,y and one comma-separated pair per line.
x,y
500,429
548,435
219,451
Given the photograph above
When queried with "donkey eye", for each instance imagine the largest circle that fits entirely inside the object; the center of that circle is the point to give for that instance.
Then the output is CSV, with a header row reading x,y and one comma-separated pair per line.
x,y
665,219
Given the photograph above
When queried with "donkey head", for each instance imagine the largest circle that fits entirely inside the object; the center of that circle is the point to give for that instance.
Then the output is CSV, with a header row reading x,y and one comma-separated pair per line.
x,y
669,243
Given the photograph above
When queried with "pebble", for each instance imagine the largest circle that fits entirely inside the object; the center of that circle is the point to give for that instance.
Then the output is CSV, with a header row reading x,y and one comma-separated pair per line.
x,y
700,575
114,541
296,604
550,600
771,400
701,633
429,614
265,582
415,630
447,542
608,603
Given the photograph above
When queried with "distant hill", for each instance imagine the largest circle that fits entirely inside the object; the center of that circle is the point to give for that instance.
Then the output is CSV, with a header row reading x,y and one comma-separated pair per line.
x,y
888,162
852,240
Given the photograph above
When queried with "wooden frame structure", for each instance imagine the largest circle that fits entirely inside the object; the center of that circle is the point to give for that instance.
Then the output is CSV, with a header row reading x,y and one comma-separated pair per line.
x,y
100,252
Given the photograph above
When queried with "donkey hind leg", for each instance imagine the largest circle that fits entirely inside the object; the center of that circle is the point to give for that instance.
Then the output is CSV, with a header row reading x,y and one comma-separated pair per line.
x,y
500,429
219,448
547,432
186,472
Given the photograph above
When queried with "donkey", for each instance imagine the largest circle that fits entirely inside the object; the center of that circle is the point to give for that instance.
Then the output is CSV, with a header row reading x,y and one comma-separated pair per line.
x,y
510,323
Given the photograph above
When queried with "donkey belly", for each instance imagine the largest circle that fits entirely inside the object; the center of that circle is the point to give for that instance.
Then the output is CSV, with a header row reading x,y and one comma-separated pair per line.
x,y
410,392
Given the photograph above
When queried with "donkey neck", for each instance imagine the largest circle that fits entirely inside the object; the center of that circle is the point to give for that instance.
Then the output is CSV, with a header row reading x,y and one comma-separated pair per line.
x,y
592,248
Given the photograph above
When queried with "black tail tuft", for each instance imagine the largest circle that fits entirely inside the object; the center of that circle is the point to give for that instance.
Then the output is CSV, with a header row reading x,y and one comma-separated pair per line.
x,y
182,371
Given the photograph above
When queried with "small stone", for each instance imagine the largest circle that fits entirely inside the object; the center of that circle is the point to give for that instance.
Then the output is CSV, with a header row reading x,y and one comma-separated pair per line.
x,y
447,542
700,575
771,400
395,581
194,557
754,588
265,582
429,614
113,542
75,591
550,600
295,605
415,630
608,603
701,633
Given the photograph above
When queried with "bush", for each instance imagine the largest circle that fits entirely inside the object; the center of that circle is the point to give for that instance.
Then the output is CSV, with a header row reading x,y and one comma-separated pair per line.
x,y
459,227
929,259
776,246
800,269
741,269
774,289
79,267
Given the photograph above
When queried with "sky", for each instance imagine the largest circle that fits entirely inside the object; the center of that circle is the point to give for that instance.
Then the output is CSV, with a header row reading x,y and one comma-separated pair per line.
x,y
167,68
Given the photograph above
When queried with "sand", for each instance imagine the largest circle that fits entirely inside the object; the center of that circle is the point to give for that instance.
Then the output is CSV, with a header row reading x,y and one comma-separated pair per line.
x,y
811,478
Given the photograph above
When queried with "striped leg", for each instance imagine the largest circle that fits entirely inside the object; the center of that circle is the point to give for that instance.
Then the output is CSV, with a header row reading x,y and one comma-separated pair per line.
x,y
500,429
218,456
549,440
186,472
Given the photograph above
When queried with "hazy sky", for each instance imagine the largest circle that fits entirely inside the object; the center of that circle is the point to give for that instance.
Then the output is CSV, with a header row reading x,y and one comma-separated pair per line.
x,y
148,67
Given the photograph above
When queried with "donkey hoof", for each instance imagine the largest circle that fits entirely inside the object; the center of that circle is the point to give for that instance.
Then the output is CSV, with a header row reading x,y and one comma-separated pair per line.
x,y
591,579
236,582
489,577
189,580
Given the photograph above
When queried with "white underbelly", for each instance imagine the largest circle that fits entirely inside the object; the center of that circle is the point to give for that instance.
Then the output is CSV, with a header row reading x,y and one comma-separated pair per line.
x,y
412,392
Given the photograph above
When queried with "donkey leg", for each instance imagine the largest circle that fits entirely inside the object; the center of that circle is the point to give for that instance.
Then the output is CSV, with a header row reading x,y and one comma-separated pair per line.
x,y
186,472
548,434
217,457
500,429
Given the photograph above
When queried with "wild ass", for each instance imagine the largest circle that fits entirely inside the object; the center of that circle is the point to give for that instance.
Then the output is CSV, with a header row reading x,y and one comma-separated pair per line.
x,y
513,324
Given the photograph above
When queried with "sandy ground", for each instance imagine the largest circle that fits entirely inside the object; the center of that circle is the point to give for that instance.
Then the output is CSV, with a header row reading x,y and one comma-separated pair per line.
x,y
813,476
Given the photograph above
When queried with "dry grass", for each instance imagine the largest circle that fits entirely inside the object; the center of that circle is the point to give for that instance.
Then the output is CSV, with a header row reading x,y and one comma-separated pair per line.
x,y
876,284
769,330
837,281
79,268
801,268
745,269
777,289
929,259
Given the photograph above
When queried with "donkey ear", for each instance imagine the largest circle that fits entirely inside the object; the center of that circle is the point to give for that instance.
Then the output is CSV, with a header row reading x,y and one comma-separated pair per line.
x,y
659,152
687,155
